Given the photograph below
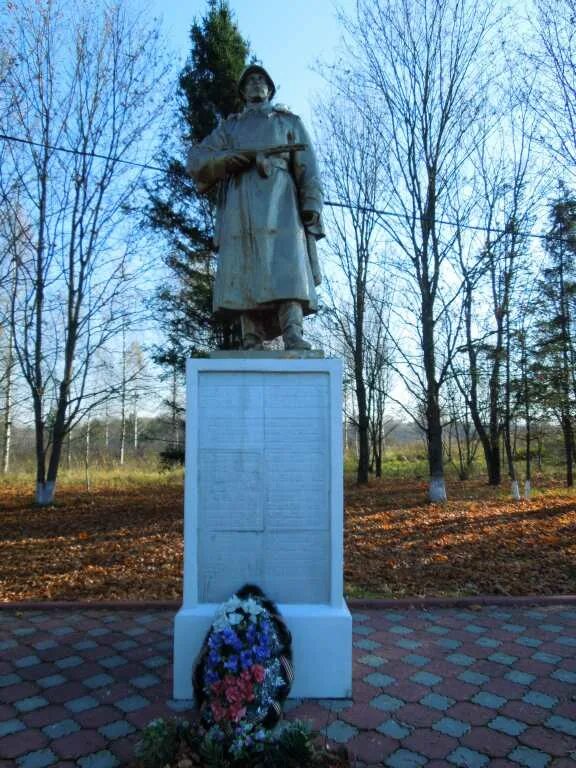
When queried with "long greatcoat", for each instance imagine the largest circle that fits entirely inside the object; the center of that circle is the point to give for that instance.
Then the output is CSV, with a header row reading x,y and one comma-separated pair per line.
x,y
260,238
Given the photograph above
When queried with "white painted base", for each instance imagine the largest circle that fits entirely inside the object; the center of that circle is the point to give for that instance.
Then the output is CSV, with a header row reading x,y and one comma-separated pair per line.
x,y
263,505
321,646
515,490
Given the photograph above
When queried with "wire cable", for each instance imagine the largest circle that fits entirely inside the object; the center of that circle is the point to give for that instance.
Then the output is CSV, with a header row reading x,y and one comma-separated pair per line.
x,y
329,203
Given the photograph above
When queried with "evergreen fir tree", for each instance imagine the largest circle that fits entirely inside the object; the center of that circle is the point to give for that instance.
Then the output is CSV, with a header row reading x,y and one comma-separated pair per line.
x,y
207,93
555,368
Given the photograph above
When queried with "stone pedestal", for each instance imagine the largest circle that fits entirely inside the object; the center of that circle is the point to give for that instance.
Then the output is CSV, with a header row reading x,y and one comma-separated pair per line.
x,y
263,504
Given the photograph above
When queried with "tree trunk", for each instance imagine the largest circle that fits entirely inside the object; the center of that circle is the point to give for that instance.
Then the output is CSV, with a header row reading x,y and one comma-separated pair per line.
x,y
361,399
107,430
568,434
7,426
136,425
44,489
493,461
45,492
437,486
175,425
488,436
123,401
69,450
122,432
87,454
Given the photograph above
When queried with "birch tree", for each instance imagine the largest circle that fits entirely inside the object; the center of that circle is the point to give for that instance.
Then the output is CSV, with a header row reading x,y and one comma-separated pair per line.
x,y
85,87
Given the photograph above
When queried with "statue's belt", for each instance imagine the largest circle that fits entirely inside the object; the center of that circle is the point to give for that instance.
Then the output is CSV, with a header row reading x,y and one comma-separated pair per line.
x,y
265,164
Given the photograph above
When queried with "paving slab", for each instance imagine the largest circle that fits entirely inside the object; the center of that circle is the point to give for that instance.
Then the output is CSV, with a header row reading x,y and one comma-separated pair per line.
x,y
455,686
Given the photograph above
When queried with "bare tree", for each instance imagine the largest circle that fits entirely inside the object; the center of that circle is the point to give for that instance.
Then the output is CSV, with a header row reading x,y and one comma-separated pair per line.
x,y
96,103
416,68
7,375
493,271
555,98
13,238
378,365
352,173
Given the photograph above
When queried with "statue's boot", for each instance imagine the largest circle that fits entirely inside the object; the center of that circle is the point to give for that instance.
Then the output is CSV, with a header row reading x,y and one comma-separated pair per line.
x,y
252,336
291,319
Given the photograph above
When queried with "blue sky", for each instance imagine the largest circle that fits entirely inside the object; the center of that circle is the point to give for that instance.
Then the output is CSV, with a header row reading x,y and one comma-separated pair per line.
x,y
288,36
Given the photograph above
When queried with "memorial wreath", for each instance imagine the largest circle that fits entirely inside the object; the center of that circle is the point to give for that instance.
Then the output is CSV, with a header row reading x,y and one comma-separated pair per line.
x,y
244,671
241,679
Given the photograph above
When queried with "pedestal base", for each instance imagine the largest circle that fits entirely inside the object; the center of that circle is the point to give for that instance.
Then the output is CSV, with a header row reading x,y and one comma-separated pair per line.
x,y
321,645
263,505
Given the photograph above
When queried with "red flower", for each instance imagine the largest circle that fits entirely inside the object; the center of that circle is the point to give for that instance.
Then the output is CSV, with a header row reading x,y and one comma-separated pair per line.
x,y
237,712
258,673
233,694
217,710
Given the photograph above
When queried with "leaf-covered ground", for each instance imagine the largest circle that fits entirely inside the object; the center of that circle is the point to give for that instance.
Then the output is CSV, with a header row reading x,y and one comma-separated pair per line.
x,y
124,542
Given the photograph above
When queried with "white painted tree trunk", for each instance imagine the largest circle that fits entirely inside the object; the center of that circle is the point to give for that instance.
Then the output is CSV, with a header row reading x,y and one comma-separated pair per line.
x,y
515,489
7,417
437,490
527,489
136,425
122,437
123,401
45,493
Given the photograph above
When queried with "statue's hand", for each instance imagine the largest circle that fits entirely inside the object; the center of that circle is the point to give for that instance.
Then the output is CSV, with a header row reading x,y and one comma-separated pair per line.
x,y
236,162
310,218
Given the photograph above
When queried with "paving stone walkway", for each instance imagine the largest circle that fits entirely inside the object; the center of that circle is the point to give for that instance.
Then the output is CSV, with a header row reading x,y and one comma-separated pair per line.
x,y
443,687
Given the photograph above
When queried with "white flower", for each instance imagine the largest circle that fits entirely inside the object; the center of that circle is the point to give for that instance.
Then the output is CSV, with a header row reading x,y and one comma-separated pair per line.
x,y
235,618
252,607
220,623
232,604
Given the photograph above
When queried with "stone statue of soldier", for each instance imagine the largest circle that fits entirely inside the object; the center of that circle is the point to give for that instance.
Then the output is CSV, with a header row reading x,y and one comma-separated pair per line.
x,y
268,215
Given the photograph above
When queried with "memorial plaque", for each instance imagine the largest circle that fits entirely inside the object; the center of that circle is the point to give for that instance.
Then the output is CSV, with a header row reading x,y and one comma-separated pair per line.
x,y
230,397
297,564
226,561
263,470
230,490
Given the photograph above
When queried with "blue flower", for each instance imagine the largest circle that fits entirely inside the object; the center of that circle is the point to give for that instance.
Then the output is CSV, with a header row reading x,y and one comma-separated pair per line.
x,y
231,664
211,676
261,653
232,639
246,659
214,641
263,641
213,658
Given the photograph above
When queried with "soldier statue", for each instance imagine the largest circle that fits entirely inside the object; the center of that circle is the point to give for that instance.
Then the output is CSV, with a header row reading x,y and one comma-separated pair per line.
x,y
269,203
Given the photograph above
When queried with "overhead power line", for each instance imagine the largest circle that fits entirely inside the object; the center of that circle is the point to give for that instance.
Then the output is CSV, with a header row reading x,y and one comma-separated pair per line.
x,y
69,151
330,203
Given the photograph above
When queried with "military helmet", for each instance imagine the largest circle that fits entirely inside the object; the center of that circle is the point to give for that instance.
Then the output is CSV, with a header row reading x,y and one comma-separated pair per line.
x,y
256,69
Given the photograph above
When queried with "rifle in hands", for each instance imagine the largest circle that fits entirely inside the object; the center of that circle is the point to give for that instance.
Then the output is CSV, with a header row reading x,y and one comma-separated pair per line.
x,y
240,159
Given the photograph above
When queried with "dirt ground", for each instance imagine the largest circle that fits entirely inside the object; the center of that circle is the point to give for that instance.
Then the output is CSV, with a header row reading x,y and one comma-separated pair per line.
x,y
125,542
